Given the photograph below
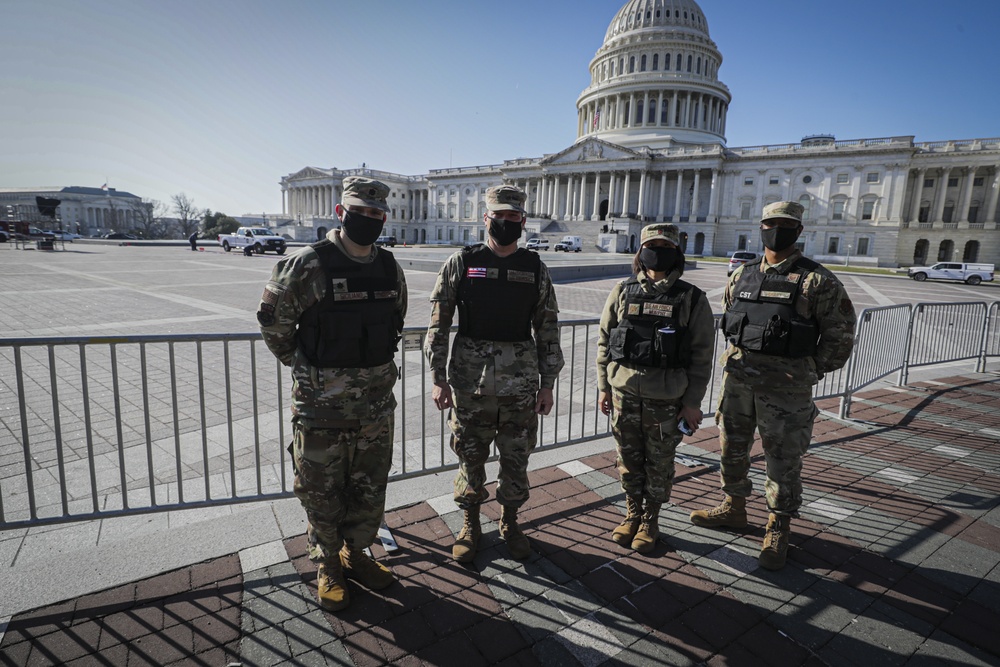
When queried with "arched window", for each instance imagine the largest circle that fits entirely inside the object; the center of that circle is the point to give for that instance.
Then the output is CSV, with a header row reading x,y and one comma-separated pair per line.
x,y
642,63
920,252
689,62
638,112
699,65
467,213
621,66
656,61
626,116
666,62
971,253
806,202
946,250
452,210
631,64
652,112
678,66
663,111
440,208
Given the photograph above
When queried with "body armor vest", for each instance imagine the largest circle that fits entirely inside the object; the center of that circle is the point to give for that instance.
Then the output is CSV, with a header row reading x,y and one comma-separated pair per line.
x,y
356,324
497,295
763,316
654,330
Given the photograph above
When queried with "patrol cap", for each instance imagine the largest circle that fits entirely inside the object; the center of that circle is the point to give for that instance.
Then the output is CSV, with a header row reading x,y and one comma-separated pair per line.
x,y
789,210
363,191
661,230
506,198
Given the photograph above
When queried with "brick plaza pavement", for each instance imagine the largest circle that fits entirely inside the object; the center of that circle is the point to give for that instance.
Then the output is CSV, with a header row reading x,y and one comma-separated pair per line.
x,y
893,562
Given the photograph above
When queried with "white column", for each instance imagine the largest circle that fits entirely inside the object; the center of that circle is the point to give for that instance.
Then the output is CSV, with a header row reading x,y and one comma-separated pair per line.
x,y
970,178
713,196
645,109
942,195
625,193
568,210
640,207
595,213
555,196
916,196
991,206
612,193
677,197
284,202
672,113
695,198
663,197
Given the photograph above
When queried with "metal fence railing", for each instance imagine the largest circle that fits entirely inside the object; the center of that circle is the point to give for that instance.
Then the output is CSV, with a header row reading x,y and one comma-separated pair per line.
x,y
112,426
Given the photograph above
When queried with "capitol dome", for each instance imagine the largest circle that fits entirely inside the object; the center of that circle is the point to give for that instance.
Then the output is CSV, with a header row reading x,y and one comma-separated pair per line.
x,y
654,81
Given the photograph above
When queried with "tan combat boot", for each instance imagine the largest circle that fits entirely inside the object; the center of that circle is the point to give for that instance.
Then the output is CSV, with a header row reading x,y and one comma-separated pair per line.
x,y
468,538
732,513
517,543
775,549
626,530
362,568
649,529
332,589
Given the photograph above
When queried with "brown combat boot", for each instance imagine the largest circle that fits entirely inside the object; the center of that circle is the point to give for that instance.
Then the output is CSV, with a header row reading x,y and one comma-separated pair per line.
x,y
365,570
775,549
517,543
625,532
732,513
649,529
332,589
468,538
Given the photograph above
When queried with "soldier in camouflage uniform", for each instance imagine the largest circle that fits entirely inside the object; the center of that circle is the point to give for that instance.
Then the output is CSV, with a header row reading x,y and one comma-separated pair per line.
x,y
333,312
654,363
500,377
788,321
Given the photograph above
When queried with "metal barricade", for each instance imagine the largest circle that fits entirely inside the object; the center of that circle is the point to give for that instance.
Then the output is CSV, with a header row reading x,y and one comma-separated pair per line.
x,y
944,332
991,337
879,349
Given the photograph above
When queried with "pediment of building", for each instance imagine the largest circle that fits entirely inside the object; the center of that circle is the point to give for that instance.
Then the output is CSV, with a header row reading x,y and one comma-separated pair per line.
x,y
310,172
590,150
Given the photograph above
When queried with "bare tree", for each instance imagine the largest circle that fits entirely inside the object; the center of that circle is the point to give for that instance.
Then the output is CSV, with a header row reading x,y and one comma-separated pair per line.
x,y
147,218
188,215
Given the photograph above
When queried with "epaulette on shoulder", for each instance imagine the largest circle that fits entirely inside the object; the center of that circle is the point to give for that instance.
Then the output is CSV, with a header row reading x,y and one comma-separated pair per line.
x,y
472,248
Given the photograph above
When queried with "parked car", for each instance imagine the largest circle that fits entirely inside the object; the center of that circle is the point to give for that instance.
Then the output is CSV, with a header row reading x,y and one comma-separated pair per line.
x,y
739,258
537,243
569,244
121,236
386,241
973,274
258,239
61,235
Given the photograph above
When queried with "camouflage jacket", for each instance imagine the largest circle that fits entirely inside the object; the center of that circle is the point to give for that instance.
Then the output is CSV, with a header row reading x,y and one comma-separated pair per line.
x,y
822,298
494,368
664,384
321,396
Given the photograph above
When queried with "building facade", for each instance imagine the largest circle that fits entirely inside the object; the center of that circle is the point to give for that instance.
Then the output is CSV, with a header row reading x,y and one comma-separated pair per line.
x,y
651,147
85,211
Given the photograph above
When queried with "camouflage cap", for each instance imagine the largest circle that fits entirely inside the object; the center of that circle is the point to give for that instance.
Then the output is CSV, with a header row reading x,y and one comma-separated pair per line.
x,y
505,198
362,191
783,209
660,231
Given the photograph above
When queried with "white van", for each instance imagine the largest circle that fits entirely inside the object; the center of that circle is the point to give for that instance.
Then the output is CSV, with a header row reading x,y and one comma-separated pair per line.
x,y
569,244
972,274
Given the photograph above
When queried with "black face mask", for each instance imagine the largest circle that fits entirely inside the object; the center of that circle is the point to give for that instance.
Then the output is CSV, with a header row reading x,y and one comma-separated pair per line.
x,y
779,238
660,258
505,232
360,228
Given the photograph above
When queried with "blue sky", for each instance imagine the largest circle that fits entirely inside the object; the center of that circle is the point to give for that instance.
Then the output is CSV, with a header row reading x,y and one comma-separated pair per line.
x,y
220,98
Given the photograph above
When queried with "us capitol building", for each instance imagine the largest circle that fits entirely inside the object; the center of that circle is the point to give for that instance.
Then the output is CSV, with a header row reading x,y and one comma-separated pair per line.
x,y
651,147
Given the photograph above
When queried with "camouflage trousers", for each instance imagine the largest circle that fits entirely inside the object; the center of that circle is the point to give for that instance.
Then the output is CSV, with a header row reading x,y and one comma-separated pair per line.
x,y
784,418
340,479
646,436
476,421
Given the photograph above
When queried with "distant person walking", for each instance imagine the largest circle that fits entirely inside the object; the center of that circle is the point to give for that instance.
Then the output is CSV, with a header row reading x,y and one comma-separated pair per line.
x,y
504,363
654,364
333,312
193,240
788,321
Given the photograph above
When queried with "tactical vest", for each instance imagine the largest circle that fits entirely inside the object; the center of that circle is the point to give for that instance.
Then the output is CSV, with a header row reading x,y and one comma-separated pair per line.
x,y
496,295
356,324
654,330
763,316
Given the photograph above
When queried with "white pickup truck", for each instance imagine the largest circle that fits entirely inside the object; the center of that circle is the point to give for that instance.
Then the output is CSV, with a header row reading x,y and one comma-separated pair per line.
x,y
972,274
259,239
